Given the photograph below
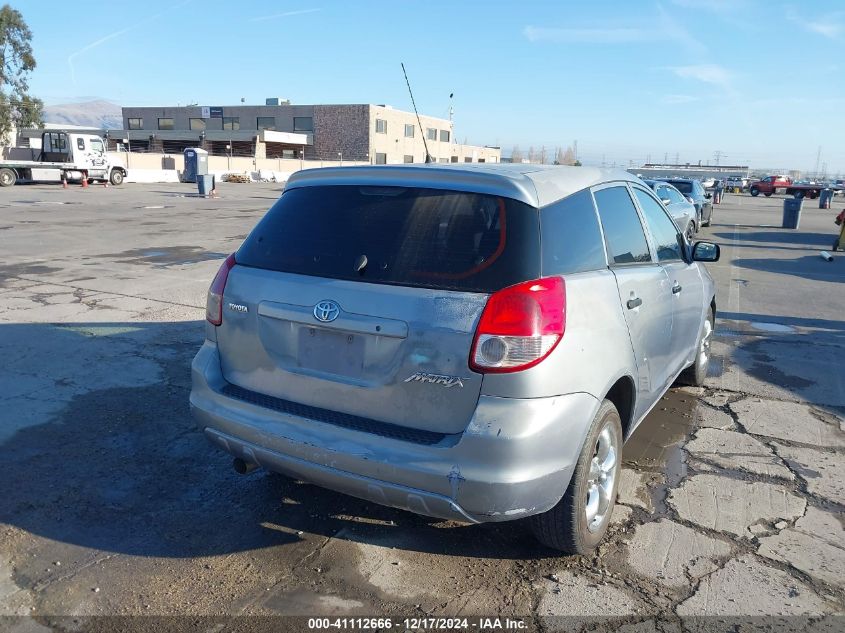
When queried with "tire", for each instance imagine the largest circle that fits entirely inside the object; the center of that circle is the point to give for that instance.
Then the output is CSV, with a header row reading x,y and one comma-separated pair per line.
x,y
690,232
709,218
8,177
696,374
571,526
116,177
768,194
754,191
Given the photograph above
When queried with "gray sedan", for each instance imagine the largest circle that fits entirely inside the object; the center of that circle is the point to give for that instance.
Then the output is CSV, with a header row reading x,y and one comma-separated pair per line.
x,y
682,210
467,342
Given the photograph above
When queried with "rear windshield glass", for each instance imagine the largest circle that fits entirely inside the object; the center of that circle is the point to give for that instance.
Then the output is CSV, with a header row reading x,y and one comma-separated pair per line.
x,y
397,235
682,186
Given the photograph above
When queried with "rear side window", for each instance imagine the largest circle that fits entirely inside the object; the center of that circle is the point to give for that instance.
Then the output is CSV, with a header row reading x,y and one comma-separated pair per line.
x,y
663,230
571,236
398,235
674,195
623,230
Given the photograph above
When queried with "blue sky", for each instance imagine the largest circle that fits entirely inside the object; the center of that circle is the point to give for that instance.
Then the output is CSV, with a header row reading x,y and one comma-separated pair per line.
x,y
761,82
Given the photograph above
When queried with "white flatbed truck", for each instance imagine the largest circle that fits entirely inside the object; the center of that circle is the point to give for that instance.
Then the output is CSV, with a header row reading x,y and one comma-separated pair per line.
x,y
64,156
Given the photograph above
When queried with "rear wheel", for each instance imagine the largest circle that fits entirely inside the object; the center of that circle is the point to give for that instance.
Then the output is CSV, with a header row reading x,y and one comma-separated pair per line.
x,y
7,177
116,177
696,373
577,524
768,194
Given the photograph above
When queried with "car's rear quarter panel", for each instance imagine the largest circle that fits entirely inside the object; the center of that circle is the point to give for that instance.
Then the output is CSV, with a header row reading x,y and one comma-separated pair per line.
x,y
594,352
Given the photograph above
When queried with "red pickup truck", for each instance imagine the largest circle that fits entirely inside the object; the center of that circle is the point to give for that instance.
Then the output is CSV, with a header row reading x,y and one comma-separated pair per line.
x,y
772,184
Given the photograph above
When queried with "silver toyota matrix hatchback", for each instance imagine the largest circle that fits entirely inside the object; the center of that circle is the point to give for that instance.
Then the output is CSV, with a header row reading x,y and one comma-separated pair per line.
x,y
468,342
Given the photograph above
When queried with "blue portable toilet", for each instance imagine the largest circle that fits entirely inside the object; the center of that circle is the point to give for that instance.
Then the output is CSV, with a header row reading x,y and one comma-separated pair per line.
x,y
196,164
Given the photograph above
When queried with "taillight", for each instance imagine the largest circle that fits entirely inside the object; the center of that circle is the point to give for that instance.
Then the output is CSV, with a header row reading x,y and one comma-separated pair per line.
x,y
214,303
520,326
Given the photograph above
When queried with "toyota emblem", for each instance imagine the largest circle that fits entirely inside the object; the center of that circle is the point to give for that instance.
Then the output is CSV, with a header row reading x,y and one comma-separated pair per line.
x,y
326,311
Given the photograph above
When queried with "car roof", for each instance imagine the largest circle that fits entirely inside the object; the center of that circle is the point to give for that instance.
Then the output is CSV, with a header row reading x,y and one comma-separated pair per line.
x,y
537,185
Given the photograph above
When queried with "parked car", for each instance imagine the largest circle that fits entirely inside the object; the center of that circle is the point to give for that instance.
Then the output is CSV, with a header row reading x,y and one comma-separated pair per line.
x,y
693,191
737,182
468,342
683,211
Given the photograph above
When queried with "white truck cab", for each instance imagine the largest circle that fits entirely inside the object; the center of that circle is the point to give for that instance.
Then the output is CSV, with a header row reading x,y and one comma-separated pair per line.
x,y
64,156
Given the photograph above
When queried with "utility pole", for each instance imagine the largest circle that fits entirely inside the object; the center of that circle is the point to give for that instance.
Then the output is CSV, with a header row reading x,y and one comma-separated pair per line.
x,y
717,155
665,157
677,157
818,158
575,149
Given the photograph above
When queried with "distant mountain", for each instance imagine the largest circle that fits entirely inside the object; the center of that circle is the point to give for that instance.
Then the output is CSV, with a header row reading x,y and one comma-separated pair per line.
x,y
98,114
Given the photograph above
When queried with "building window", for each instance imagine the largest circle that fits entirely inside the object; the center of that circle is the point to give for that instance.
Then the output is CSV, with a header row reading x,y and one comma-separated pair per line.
x,y
443,160
409,131
381,126
231,123
431,134
303,124
265,123
288,153
197,124
444,136
135,123
165,124
454,159
467,159
409,158
381,159
482,160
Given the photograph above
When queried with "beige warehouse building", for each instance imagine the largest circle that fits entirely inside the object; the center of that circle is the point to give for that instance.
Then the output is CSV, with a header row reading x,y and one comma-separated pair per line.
x,y
378,134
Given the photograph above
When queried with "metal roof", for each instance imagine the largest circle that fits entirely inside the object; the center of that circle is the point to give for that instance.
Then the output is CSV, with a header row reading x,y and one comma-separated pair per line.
x,y
537,185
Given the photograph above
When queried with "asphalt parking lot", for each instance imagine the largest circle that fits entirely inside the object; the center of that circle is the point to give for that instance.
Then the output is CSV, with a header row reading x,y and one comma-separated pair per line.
x,y
113,503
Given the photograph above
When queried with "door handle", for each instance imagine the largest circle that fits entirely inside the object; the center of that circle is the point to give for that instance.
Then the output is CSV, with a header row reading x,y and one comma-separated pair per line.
x,y
636,302
677,288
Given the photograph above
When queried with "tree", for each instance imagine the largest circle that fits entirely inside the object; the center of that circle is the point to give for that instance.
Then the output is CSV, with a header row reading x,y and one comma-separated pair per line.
x,y
516,154
17,107
568,157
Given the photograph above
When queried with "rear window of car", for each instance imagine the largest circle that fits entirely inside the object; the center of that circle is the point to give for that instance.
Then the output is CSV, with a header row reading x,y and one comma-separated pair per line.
x,y
429,238
681,185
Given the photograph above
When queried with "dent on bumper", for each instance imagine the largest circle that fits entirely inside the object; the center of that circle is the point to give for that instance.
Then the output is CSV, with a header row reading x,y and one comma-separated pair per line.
x,y
514,459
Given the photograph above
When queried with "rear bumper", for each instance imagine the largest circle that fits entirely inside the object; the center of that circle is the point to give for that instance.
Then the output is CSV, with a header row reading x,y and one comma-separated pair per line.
x,y
514,459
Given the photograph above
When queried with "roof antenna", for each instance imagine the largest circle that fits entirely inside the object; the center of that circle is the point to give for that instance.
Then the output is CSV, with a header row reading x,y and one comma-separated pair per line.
x,y
428,158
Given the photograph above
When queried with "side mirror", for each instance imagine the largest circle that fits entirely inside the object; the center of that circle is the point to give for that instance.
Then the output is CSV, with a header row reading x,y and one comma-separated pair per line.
x,y
705,252
708,195
665,201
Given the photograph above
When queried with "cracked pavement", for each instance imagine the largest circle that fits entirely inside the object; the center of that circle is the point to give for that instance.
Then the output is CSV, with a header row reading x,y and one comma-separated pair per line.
x,y
730,504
